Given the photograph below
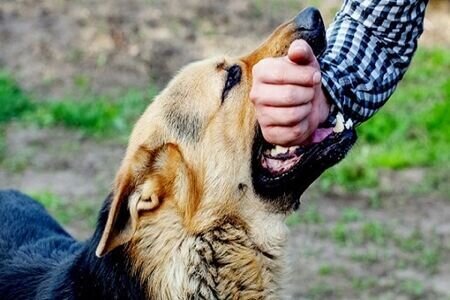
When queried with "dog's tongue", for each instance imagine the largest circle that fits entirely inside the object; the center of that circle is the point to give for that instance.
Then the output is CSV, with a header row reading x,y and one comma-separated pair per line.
x,y
319,135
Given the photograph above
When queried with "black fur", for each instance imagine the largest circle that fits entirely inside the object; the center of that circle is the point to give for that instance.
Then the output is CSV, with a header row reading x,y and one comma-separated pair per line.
x,y
39,260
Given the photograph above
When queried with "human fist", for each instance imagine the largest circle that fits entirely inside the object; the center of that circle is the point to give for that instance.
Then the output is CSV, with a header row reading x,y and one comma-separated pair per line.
x,y
288,97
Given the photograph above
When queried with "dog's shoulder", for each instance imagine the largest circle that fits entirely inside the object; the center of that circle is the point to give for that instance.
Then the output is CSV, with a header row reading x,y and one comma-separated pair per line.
x,y
31,244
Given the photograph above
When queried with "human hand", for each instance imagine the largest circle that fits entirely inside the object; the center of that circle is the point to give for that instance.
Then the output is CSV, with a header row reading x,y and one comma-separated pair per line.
x,y
288,97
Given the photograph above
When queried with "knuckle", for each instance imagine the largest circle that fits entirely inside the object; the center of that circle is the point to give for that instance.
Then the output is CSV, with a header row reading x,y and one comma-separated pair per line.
x,y
296,132
258,68
260,116
302,129
307,75
268,134
254,95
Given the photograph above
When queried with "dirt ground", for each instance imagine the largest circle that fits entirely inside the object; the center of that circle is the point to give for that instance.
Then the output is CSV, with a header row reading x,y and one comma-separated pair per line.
x,y
56,48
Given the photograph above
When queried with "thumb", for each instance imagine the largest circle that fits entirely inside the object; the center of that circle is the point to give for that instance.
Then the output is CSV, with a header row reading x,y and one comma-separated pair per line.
x,y
301,53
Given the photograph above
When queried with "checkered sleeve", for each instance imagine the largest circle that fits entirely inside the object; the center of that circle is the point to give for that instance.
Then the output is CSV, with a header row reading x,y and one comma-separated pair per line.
x,y
370,46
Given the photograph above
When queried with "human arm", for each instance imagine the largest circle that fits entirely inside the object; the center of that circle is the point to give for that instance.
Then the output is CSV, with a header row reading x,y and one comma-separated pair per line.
x,y
370,46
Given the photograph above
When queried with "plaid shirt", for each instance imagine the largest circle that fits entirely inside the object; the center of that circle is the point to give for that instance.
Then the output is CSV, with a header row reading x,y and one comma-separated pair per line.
x,y
370,46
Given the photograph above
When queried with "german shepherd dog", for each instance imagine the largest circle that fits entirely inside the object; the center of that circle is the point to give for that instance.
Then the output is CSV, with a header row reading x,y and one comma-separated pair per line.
x,y
198,204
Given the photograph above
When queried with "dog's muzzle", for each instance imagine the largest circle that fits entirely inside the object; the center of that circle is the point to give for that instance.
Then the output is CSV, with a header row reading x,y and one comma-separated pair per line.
x,y
281,175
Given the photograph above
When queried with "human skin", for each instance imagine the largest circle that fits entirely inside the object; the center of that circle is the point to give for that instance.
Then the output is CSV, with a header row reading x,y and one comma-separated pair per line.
x,y
288,96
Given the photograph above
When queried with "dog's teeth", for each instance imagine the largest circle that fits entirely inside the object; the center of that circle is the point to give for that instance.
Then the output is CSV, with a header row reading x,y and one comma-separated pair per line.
x,y
339,123
292,149
349,124
278,150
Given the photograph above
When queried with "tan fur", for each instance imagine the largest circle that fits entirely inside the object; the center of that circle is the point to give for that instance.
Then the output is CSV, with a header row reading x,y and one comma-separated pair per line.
x,y
196,228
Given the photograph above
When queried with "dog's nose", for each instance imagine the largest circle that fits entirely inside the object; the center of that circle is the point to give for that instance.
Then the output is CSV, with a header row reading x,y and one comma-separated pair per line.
x,y
309,19
310,26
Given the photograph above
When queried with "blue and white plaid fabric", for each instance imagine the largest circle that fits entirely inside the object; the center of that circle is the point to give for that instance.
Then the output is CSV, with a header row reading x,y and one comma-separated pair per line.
x,y
370,46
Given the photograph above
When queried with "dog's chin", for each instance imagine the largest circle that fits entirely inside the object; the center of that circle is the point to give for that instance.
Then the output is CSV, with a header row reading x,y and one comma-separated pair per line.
x,y
281,175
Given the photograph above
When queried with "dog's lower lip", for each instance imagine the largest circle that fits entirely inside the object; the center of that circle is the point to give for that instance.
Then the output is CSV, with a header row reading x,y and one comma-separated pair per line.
x,y
279,165
277,161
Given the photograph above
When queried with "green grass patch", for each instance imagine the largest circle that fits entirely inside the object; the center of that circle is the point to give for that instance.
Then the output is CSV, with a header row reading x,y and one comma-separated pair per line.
x,y
364,283
321,290
54,205
64,212
330,270
411,130
369,232
350,215
412,288
430,258
310,215
100,116
13,101
368,257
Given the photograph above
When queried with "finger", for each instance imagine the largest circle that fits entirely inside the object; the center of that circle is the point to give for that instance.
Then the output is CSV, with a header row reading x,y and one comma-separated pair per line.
x,y
281,95
286,135
301,53
282,71
283,116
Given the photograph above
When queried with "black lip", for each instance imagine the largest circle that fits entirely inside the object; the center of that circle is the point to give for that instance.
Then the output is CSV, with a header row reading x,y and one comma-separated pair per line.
x,y
315,160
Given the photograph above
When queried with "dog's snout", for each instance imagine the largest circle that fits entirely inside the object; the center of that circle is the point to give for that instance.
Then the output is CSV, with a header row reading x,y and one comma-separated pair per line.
x,y
309,19
311,28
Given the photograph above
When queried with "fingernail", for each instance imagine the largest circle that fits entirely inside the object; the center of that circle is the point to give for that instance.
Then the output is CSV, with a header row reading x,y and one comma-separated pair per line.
x,y
317,77
298,45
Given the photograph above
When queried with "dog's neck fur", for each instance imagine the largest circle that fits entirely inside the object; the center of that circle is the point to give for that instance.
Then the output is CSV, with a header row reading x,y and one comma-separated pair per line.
x,y
221,263
166,263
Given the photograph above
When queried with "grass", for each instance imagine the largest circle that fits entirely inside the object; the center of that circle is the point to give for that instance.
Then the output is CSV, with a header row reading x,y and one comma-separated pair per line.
x,y
64,212
350,215
362,233
412,288
96,115
412,129
310,215
364,283
13,101
321,290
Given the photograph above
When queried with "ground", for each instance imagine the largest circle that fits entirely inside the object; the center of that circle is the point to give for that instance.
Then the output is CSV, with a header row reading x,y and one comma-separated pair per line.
x,y
378,226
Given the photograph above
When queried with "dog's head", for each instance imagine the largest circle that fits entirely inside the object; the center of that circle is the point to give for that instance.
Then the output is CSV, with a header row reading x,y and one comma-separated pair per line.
x,y
197,155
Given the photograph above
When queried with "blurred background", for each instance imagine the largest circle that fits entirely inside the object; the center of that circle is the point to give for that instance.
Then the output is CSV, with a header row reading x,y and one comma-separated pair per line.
x,y
75,74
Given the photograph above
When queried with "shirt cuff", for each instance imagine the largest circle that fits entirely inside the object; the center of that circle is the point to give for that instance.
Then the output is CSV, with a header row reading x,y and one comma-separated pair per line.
x,y
332,92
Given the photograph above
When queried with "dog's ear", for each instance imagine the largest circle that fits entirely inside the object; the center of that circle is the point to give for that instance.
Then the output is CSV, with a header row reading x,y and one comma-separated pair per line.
x,y
140,186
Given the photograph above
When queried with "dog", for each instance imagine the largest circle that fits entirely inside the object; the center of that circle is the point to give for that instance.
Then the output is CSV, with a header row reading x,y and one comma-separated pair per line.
x,y
197,206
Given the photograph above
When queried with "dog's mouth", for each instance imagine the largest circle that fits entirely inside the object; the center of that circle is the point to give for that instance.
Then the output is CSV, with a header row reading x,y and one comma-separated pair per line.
x,y
278,161
283,174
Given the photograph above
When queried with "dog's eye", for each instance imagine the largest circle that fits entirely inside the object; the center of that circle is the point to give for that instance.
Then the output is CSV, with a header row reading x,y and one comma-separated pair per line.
x,y
233,78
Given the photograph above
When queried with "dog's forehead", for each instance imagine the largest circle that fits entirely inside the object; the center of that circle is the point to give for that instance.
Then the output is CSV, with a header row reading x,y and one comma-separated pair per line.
x,y
190,98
